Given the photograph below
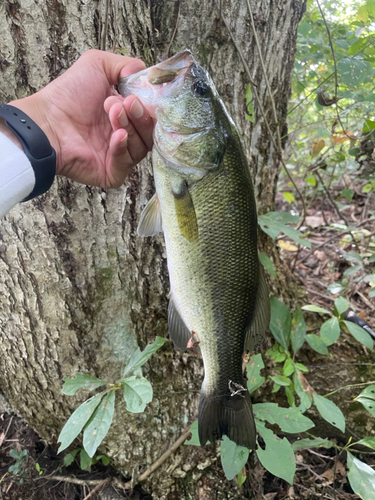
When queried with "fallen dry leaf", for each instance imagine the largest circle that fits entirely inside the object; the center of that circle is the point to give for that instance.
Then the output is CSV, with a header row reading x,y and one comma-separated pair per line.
x,y
316,147
284,245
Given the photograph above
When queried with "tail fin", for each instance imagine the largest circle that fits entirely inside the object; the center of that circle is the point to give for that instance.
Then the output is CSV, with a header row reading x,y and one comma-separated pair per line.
x,y
226,415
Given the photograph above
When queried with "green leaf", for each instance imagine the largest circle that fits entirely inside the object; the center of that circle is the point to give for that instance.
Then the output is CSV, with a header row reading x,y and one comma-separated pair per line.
x,y
278,457
330,412
137,394
288,367
311,180
367,441
267,263
368,126
361,478
313,308
353,257
330,331
304,28
367,188
301,367
335,288
288,419
194,440
253,368
341,305
281,321
354,151
289,197
357,46
81,381
249,104
363,14
316,343
273,223
360,334
241,478
367,399
290,396
100,422
298,332
281,380
370,6
233,457
305,398
352,71
105,460
77,421
312,443
351,271
85,461
348,193
138,358
69,457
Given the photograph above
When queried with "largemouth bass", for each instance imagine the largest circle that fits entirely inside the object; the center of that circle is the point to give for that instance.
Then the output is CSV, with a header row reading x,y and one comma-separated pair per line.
x,y
205,205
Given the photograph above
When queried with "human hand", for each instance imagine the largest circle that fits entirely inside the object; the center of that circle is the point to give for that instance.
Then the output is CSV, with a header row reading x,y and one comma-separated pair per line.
x,y
98,136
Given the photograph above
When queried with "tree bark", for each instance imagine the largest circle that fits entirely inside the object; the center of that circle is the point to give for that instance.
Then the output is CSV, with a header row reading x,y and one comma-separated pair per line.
x,y
79,289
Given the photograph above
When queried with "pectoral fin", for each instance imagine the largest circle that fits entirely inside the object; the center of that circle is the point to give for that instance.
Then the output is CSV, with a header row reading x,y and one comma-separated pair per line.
x,y
150,222
186,217
256,331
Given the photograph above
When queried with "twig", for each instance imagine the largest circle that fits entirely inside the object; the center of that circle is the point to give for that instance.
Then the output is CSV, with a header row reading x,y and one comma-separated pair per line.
x,y
348,387
75,480
105,30
318,454
365,300
314,292
278,147
130,484
308,95
175,29
97,488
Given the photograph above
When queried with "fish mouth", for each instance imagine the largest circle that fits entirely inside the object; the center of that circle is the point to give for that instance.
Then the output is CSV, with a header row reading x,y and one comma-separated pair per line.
x,y
145,84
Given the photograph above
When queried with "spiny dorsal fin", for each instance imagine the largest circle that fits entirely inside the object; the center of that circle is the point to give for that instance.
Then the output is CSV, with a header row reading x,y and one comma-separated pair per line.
x,y
256,331
186,217
150,222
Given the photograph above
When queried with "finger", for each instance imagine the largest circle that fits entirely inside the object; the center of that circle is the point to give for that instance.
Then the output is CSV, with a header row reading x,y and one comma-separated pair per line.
x,y
120,162
117,116
110,101
112,64
141,120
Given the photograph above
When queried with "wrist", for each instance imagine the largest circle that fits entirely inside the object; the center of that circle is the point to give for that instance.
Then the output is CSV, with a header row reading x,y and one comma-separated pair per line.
x,y
8,133
37,109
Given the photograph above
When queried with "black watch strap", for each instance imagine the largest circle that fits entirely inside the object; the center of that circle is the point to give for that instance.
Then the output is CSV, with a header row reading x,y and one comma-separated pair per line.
x,y
36,147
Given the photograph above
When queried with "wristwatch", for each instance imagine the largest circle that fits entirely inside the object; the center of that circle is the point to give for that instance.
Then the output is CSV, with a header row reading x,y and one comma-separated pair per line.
x,y
36,147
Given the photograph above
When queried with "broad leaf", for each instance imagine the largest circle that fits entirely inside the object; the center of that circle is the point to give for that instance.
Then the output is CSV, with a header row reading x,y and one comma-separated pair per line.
x,y
253,368
352,71
330,331
361,477
100,422
360,334
367,398
278,457
306,400
367,441
316,343
233,457
85,461
313,308
330,412
281,321
194,440
81,381
77,421
139,358
341,305
281,380
267,263
288,419
312,443
137,394
298,333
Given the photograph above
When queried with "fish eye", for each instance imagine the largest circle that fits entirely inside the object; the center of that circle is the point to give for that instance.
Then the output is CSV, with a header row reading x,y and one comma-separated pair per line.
x,y
201,88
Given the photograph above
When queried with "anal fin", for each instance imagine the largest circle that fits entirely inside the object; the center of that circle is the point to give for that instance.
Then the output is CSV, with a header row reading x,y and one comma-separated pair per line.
x,y
178,331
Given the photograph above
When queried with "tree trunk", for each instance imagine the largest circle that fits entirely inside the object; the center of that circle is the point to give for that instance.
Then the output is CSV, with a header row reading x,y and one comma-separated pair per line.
x,y
79,289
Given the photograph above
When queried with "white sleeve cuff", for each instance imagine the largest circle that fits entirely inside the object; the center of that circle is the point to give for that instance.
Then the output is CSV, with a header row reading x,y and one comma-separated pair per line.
x,y
17,178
